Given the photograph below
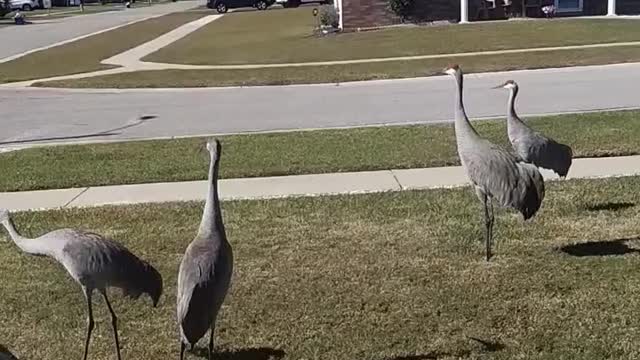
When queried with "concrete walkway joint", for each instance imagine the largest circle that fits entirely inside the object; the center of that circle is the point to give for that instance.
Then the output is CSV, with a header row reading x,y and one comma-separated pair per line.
x,y
290,186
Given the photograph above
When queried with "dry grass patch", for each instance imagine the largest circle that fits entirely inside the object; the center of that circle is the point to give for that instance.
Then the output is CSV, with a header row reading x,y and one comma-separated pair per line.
x,y
380,277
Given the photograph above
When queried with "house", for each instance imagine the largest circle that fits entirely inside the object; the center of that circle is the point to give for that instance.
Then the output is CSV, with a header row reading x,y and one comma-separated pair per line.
x,y
356,14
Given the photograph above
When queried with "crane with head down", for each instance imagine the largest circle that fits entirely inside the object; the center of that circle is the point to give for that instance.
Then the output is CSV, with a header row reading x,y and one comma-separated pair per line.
x,y
96,263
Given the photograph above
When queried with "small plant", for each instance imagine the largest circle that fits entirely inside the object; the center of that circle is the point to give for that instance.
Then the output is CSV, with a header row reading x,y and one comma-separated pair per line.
x,y
402,8
329,16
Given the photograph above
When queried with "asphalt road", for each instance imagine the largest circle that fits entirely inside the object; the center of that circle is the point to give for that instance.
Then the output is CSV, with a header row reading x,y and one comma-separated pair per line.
x,y
18,39
30,116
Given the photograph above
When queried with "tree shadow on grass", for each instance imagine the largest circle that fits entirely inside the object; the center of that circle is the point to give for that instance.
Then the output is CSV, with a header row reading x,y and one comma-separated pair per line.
x,y
430,356
263,353
600,248
488,345
609,206
5,354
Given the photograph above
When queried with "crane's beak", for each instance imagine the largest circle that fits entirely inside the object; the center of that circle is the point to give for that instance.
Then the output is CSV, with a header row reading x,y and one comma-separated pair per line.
x,y
498,87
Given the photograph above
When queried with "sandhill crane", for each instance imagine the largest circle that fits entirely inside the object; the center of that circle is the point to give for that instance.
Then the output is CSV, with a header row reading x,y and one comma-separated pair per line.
x,y
206,268
494,173
96,263
530,145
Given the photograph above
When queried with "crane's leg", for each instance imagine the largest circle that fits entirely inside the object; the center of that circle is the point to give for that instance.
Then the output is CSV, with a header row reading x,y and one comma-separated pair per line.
x,y
487,224
114,322
491,222
182,348
211,341
88,294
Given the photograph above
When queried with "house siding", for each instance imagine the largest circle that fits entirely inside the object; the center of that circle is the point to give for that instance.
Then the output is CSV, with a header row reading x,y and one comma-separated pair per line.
x,y
628,7
370,13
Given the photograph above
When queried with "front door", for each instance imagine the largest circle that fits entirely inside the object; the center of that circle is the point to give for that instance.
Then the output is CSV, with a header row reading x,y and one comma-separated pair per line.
x,y
568,5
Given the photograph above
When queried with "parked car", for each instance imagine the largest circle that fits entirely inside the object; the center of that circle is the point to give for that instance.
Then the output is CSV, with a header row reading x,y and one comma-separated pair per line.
x,y
222,6
24,5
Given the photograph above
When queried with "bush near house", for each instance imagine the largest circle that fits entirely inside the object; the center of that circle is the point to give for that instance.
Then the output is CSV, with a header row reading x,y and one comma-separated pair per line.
x,y
402,8
329,16
5,8
428,10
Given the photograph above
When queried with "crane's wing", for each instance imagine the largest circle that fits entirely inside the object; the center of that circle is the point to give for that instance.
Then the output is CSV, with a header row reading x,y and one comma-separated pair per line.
x,y
192,275
548,154
540,150
500,175
203,282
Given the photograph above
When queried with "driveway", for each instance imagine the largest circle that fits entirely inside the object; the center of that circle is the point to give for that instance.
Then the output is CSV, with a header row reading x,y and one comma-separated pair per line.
x,y
47,114
18,39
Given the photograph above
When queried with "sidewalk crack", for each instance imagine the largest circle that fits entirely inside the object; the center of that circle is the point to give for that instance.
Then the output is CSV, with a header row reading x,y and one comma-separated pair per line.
x,y
396,179
75,197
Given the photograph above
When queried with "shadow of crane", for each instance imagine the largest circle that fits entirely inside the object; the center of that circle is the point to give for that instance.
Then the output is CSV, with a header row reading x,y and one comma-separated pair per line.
x,y
5,354
609,206
601,248
263,353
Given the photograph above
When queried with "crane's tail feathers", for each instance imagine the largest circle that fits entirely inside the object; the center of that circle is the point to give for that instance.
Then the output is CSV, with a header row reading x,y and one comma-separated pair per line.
x,y
532,190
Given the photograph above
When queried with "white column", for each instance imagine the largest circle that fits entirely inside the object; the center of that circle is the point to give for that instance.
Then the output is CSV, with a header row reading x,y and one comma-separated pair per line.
x,y
611,8
464,11
340,24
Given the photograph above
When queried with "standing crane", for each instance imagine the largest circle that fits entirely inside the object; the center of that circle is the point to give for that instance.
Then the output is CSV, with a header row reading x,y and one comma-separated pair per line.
x,y
532,146
494,173
206,268
96,263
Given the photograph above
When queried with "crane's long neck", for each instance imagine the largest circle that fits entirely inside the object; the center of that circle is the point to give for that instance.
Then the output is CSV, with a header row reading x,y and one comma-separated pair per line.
x,y
212,216
29,246
511,105
462,125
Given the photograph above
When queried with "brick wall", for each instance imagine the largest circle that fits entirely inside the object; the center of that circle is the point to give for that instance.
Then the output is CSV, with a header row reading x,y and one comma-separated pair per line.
x,y
367,13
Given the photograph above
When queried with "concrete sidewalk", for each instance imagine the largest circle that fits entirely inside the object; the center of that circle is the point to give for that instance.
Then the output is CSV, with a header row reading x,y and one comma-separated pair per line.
x,y
290,186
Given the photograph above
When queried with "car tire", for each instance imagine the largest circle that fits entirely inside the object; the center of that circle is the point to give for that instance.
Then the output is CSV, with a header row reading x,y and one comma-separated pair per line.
x,y
221,8
262,5
26,7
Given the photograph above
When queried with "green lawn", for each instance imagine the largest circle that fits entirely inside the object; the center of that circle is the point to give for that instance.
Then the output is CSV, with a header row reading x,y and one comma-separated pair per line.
x,y
85,55
374,277
285,36
352,72
595,134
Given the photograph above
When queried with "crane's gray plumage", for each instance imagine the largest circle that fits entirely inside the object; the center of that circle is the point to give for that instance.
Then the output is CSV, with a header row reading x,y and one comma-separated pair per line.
x,y
96,263
530,145
494,172
206,268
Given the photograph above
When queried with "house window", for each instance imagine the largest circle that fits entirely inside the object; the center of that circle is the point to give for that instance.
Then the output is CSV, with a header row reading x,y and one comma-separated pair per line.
x,y
568,5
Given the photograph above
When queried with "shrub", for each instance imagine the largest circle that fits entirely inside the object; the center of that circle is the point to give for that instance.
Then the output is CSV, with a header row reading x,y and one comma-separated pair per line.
x,y
402,8
5,8
329,16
